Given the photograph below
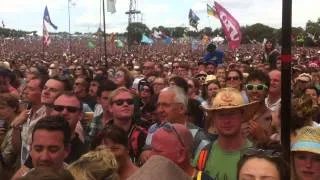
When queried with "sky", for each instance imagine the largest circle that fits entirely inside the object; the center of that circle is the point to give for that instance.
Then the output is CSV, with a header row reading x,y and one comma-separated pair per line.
x,y
85,14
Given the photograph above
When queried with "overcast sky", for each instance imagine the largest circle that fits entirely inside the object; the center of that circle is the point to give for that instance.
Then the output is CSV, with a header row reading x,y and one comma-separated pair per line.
x,y
85,14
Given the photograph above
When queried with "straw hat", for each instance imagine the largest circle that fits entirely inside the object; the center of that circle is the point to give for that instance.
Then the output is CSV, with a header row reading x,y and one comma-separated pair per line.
x,y
305,77
210,78
308,139
231,99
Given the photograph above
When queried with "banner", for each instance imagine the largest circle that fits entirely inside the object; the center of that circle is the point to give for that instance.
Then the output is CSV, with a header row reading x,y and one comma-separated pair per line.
x,y
230,26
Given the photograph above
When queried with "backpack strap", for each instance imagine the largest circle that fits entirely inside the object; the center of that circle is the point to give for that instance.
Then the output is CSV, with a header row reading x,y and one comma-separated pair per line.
x,y
199,175
203,157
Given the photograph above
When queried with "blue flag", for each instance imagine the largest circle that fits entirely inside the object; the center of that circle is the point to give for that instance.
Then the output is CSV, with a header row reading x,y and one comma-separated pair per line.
x,y
145,39
46,17
193,19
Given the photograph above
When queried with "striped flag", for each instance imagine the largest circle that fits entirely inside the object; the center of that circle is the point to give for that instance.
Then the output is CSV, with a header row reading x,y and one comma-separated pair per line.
x,y
47,20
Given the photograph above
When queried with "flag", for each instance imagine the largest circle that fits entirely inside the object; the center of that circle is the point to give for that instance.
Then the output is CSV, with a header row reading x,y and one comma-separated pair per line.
x,y
46,37
3,24
111,6
91,45
157,34
119,43
230,26
211,11
145,39
46,17
193,19
167,40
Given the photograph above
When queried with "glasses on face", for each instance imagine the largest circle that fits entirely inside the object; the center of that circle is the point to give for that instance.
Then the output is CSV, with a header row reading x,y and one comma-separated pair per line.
x,y
144,88
175,67
258,87
170,128
120,102
235,78
60,108
255,151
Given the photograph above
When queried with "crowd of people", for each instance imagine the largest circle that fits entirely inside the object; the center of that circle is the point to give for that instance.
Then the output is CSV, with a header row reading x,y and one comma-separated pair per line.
x,y
155,112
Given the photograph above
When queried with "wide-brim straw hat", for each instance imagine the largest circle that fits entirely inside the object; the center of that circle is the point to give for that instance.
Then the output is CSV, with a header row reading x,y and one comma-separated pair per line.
x,y
307,139
231,99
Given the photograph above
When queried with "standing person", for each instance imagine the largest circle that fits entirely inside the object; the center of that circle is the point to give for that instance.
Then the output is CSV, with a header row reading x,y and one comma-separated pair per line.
x,y
273,99
9,153
306,154
213,55
81,90
121,108
69,106
270,55
219,159
114,138
50,144
258,129
178,136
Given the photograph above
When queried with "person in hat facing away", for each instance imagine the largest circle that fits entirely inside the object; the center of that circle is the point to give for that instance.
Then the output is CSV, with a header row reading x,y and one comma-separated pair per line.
x,y
228,111
213,55
306,154
175,142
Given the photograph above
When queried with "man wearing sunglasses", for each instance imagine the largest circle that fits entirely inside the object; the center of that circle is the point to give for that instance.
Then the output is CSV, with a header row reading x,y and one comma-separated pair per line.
x,y
70,107
121,108
258,129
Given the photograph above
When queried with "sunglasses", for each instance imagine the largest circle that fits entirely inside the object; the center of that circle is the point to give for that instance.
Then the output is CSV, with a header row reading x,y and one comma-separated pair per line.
x,y
267,152
70,109
235,78
175,67
120,102
258,87
170,128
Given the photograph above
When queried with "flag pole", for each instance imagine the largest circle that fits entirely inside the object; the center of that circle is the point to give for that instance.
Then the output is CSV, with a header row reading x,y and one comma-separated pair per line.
x,y
43,40
286,59
104,34
69,14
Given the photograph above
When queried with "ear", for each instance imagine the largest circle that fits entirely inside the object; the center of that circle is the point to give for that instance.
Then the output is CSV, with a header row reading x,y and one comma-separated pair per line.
x,y
181,155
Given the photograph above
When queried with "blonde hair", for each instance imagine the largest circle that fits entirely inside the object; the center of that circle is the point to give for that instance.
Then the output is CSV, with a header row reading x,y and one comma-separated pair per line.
x,y
95,165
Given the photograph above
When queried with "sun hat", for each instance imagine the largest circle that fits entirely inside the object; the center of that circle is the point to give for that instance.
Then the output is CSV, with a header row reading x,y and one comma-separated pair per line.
x,y
305,77
231,99
307,139
210,78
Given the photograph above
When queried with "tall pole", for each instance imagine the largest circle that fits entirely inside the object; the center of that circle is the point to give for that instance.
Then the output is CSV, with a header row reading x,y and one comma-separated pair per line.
x,y
286,59
70,48
104,34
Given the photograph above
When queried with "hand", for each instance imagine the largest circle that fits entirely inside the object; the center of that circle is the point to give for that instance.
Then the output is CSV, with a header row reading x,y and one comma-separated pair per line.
x,y
21,118
145,155
256,131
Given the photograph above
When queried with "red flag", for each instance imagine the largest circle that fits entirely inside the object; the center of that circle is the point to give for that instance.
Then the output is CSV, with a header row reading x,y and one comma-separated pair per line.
x,y
230,26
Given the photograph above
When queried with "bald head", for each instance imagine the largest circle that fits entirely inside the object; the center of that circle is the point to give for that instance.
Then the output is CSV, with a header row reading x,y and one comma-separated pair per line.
x,y
174,142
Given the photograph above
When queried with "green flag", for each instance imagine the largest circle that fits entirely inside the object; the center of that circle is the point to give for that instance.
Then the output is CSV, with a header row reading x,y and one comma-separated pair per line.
x,y
119,43
91,45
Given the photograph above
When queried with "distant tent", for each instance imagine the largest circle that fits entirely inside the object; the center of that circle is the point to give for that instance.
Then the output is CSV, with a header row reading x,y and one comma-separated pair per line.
x,y
146,40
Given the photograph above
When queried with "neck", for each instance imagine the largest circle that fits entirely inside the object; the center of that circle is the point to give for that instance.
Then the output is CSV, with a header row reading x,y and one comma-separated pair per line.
x,y
35,107
127,169
106,117
123,123
231,143
274,97
181,119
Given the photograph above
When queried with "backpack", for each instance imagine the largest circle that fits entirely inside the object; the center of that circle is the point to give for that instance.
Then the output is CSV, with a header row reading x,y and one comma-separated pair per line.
x,y
203,157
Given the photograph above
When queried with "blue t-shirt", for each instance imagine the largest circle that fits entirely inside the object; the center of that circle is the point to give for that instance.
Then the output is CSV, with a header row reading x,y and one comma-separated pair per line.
x,y
215,57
